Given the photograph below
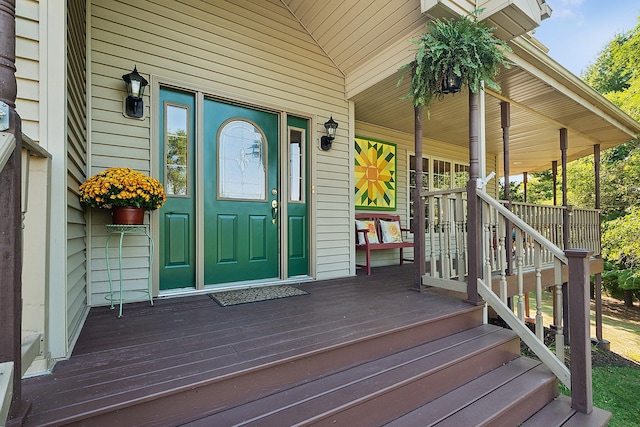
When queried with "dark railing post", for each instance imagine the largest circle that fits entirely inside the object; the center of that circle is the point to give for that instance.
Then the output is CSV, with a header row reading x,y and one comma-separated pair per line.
x,y
578,296
10,215
602,343
564,146
473,206
419,245
505,123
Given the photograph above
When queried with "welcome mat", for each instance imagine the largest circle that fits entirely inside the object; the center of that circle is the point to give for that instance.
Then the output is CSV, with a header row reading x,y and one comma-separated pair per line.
x,y
262,293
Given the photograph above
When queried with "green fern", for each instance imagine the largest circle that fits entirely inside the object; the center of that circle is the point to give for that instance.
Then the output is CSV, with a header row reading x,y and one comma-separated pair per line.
x,y
463,45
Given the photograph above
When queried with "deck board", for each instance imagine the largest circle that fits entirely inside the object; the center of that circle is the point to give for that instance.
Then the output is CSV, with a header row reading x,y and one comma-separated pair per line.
x,y
182,340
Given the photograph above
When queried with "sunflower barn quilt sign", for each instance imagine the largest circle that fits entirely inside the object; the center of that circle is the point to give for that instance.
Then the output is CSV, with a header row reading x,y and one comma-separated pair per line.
x,y
375,174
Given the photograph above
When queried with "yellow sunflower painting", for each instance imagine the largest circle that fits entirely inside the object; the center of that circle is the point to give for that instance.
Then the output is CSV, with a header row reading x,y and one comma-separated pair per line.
x,y
375,174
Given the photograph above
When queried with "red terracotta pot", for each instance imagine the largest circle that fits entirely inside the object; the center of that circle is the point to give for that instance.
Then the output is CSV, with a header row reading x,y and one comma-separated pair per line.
x,y
127,215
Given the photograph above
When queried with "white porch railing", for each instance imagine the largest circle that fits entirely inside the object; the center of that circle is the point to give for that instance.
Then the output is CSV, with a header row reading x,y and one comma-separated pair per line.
x,y
584,229
446,238
535,249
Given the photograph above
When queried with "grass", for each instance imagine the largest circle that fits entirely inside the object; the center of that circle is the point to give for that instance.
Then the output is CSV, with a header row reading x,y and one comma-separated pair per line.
x,y
615,388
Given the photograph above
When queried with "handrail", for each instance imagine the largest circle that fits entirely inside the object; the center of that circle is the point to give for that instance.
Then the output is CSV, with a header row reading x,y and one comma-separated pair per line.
x,y
7,145
530,339
6,390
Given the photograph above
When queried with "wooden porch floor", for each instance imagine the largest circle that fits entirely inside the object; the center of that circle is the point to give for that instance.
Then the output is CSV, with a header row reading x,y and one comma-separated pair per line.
x,y
183,341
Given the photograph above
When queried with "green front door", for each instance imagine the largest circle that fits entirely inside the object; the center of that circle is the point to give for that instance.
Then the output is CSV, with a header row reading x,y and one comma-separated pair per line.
x,y
241,193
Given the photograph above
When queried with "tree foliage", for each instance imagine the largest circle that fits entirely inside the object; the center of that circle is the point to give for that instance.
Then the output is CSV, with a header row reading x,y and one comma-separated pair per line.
x,y
616,74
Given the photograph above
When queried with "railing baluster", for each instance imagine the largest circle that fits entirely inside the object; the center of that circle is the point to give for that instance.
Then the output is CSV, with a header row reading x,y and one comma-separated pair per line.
x,y
461,238
558,314
539,318
446,235
488,239
520,273
432,236
502,254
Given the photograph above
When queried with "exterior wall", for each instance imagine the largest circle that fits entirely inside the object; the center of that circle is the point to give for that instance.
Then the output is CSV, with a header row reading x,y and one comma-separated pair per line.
x,y
50,47
36,219
251,52
76,166
27,66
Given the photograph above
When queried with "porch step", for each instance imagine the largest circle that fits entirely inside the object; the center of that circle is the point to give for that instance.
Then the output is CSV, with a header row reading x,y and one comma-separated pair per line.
x,y
506,396
398,383
180,399
559,413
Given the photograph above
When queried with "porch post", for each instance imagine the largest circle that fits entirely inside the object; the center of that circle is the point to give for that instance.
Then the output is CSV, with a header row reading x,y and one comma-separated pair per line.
x,y
598,284
10,216
418,206
581,375
564,145
505,123
473,207
554,174
525,183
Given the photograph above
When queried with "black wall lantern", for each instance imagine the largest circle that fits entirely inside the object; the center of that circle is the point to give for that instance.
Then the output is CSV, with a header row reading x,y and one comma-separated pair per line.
x,y
326,140
451,83
134,107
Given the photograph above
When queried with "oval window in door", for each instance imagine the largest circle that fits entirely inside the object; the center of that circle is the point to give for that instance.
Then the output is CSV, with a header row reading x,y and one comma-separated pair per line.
x,y
241,161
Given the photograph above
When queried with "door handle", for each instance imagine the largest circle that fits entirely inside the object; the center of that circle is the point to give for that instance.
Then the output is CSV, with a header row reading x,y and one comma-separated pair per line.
x,y
274,211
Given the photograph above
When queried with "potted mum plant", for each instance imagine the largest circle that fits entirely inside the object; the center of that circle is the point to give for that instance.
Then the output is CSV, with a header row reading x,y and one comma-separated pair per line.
x,y
128,193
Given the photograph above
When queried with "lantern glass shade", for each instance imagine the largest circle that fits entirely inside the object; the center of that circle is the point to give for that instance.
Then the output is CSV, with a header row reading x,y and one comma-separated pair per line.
x,y
451,83
331,127
135,84
133,105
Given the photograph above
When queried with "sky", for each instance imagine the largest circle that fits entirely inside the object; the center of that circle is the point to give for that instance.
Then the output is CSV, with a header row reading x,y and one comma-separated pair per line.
x,y
578,30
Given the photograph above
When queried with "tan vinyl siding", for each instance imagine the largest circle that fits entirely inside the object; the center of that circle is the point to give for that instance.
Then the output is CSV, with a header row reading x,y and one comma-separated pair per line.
x,y
76,167
252,52
27,66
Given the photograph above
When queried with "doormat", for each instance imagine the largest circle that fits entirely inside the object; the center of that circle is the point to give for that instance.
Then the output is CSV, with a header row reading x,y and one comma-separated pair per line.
x,y
263,293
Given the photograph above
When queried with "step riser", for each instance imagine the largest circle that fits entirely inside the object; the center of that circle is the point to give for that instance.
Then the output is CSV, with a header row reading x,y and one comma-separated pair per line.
x,y
516,414
204,399
416,392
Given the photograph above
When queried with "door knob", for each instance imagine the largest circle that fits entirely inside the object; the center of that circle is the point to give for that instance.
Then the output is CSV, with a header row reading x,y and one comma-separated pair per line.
x,y
274,211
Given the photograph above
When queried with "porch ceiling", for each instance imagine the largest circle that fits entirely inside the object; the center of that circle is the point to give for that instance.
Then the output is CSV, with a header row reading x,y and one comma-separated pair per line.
x,y
542,101
538,111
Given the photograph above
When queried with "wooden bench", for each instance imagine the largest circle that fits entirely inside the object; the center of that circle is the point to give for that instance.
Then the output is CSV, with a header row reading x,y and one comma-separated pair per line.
x,y
362,237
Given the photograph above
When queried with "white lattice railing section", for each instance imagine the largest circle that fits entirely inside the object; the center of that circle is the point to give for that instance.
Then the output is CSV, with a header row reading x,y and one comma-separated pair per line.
x,y
584,228
446,237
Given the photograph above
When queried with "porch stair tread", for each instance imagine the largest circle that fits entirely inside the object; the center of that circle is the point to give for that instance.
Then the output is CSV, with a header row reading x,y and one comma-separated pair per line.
x,y
558,413
397,382
372,359
508,404
230,378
